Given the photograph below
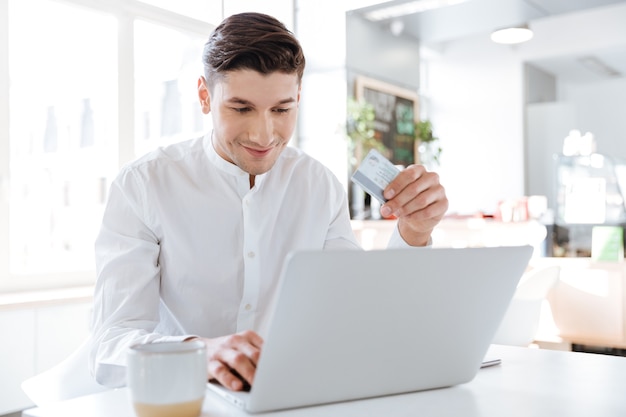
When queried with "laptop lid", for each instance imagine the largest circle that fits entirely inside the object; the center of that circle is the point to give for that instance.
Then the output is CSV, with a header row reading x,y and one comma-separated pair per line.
x,y
352,324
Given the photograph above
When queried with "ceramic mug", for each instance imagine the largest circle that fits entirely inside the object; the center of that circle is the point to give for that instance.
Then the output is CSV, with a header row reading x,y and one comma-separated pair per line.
x,y
167,379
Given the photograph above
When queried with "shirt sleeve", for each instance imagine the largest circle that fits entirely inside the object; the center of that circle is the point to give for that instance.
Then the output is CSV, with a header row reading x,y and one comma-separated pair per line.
x,y
126,296
396,241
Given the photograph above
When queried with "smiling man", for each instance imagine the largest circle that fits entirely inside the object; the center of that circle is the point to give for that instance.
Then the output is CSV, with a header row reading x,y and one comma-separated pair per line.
x,y
194,235
253,124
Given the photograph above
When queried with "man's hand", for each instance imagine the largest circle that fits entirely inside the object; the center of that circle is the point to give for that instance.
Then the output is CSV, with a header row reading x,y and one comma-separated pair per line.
x,y
232,355
419,202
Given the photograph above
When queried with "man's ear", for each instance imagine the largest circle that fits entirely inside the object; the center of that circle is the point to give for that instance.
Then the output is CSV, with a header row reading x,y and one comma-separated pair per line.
x,y
204,96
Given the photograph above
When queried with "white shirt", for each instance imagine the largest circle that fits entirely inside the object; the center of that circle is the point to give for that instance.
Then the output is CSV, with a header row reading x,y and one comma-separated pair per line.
x,y
187,248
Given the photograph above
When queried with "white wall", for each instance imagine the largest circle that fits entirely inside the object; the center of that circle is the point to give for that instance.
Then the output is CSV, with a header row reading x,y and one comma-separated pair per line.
x,y
372,50
548,124
322,28
597,107
476,106
601,109
476,98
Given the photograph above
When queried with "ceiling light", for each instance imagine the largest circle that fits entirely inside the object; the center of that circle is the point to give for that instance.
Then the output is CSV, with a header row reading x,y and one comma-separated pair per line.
x,y
396,27
404,9
512,35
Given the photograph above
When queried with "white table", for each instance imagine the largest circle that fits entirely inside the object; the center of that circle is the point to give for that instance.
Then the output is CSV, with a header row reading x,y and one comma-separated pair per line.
x,y
529,382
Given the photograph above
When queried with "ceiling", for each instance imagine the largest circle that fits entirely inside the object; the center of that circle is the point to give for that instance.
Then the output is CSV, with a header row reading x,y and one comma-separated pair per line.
x,y
438,26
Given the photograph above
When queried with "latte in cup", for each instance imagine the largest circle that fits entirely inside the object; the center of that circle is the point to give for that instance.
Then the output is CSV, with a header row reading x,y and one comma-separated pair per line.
x,y
167,379
188,409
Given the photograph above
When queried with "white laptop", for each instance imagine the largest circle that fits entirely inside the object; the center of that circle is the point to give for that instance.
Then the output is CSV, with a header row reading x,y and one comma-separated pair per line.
x,y
352,324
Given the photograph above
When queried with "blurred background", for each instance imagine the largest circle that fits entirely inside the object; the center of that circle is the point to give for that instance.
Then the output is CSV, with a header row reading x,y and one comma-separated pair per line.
x,y
531,135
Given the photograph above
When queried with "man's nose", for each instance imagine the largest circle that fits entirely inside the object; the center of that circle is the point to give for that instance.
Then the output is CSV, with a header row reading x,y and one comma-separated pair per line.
x,y
262,130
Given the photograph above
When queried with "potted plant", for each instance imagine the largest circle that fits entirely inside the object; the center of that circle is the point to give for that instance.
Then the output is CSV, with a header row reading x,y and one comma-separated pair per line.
x,y
360,130
426,143
361,139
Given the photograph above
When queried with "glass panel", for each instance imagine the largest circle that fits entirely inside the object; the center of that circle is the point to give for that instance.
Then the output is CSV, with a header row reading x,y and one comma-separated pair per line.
x,y
167,66
206,10
63,133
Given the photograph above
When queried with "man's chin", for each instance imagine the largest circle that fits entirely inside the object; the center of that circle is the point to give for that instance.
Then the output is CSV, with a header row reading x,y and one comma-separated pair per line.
x,y
256,170
257,167
259,172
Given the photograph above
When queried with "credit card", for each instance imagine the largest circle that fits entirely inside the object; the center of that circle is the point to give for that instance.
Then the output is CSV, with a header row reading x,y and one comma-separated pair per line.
x,y
374,174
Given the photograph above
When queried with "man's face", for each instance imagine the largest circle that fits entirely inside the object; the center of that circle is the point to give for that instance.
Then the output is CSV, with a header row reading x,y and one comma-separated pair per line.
x,y
254,116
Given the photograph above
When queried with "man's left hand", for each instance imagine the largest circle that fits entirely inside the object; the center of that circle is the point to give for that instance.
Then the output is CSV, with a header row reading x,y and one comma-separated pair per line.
x,y
418,200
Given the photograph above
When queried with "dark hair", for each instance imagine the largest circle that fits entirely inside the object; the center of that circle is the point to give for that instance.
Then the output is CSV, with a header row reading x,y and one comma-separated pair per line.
x,y
252,41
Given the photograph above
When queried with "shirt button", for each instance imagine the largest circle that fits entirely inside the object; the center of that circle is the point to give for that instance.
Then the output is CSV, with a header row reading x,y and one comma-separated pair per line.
x,y
248,307
251,254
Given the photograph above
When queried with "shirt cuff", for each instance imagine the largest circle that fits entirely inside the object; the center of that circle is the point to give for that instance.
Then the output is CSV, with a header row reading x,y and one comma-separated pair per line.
x,y
174,338
396,241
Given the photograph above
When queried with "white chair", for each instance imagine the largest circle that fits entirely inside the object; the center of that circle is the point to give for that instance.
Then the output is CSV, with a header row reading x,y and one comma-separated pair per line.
x,y
521,321
68,379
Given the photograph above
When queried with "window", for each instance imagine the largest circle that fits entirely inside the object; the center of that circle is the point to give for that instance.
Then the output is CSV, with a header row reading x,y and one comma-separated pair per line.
x,y
72,122
63,124
167,66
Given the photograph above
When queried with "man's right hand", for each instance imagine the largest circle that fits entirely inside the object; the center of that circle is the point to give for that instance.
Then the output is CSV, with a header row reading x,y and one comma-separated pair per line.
x,y
232,355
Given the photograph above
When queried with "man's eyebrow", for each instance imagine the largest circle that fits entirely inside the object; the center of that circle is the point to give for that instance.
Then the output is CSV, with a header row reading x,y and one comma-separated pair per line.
x,y
287,100
238,100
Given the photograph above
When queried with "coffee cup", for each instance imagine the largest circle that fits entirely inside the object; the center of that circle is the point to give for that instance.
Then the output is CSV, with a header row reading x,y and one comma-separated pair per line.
x,y
167,379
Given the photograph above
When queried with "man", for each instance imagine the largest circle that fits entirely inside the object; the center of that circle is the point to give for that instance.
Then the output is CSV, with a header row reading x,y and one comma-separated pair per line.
x,y
194,235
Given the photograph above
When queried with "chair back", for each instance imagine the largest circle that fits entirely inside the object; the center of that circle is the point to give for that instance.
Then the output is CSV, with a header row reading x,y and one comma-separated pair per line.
x,y
521,321
68,379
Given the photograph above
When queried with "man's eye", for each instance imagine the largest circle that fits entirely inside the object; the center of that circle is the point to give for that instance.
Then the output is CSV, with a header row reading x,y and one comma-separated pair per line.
x,y
241,109
281,110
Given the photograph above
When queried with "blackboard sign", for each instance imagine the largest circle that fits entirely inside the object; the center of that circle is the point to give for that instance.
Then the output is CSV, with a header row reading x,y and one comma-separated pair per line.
x,y
396,110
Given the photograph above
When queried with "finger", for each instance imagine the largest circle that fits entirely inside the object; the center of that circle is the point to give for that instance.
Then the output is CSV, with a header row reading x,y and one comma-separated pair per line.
x,y
253,338
429,203
248,342
419,193
243,338
426,218
238,362
402,180
252,352
232,359
222,373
